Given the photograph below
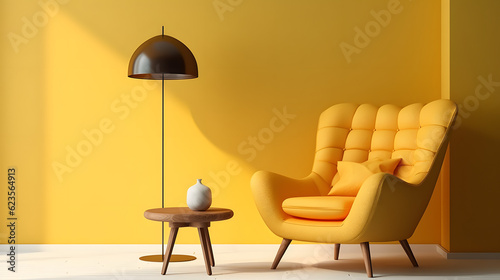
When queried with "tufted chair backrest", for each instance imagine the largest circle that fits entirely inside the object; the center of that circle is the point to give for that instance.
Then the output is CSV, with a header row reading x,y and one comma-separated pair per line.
x,y
350,132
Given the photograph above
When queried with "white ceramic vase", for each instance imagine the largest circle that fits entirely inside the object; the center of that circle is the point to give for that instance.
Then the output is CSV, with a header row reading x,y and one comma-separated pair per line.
x,y
199,197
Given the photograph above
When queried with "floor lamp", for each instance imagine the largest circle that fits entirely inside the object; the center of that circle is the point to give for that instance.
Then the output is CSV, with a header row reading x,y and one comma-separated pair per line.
x,y
163,58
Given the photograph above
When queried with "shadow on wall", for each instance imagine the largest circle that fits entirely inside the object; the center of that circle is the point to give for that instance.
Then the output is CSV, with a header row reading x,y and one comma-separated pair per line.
x,y
263,83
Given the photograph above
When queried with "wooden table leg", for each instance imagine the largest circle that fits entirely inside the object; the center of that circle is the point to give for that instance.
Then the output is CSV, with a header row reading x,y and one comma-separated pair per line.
x,y
170,248
209,245
206,254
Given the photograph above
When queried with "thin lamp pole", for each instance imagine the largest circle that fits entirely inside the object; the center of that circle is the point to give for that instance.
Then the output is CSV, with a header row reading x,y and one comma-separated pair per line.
x,y
162,160
162,155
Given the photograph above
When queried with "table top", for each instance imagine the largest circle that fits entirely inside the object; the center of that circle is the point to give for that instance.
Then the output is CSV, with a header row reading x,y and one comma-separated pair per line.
x,y
186,215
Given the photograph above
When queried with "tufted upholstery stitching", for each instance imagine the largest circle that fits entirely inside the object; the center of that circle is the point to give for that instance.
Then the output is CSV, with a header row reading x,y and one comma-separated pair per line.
x,y
319,176
362,132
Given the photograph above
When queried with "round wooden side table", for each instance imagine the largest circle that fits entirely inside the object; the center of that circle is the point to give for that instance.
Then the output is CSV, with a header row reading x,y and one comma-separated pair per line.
x,y
184,217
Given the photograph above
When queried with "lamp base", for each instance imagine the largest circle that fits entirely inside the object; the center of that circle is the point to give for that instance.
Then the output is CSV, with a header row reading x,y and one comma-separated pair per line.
x,y
173,258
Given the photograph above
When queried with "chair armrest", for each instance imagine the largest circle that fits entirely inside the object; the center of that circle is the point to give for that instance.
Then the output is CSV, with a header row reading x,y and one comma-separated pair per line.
x,y
271,189
384,201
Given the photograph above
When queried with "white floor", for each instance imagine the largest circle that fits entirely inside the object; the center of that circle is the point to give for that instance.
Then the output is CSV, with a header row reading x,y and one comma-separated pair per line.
x,y
238,262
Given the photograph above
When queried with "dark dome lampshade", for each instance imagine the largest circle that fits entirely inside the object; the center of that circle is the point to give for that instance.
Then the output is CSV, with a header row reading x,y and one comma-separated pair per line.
x,y
163,57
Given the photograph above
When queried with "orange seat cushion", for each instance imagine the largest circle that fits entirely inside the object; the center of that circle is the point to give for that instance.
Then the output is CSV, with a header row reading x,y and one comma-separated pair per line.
x,y
318,207
353,174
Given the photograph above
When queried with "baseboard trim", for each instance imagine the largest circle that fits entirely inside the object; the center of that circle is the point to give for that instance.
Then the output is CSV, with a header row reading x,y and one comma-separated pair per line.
x,y
25,248
466,255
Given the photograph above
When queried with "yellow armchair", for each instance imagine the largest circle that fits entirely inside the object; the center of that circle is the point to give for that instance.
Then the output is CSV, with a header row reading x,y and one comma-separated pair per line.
x,y
388,205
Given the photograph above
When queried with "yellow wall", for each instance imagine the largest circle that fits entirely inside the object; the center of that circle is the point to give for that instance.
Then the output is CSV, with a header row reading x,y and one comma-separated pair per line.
x,y
256,59
445,94
475,85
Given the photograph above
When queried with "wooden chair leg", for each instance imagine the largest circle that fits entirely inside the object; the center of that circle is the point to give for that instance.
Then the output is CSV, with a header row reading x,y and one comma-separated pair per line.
x,y
281,251
408,251
336,252
170,248
206,253
365,247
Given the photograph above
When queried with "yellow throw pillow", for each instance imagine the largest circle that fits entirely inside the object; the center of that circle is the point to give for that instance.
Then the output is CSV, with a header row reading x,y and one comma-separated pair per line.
x,y
353,174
